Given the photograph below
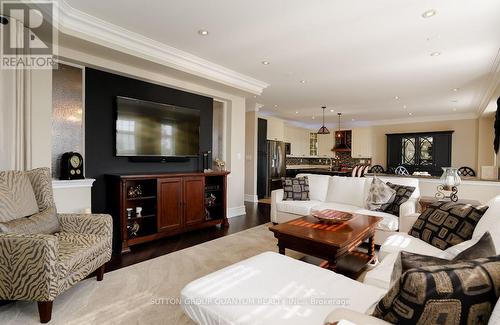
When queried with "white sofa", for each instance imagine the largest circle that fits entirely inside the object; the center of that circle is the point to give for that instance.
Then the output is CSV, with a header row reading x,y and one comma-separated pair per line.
x,y
225,297
346,194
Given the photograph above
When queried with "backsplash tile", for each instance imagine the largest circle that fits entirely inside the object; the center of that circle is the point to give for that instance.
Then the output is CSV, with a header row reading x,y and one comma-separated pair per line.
x,y
343,159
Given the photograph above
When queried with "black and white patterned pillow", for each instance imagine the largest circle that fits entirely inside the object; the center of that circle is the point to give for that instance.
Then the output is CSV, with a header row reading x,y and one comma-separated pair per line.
x,y
445,224
295,189
380,196
461,293
403,193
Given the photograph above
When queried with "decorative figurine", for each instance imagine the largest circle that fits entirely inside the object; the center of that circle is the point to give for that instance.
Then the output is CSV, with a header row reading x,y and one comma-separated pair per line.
x,y
220,164
138,212
133,229
130,212
134,191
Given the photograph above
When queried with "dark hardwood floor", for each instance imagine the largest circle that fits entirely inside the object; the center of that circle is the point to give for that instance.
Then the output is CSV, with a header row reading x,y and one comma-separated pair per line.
x,y
256,214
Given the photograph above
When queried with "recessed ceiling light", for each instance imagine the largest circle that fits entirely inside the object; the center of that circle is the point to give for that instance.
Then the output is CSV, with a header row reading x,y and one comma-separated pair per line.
x,y
265,62
410,113
203,32
275,105
435,53
429,13
455,89
313,117
404,106
454,109
332,110
296,112
396,97
302,81
353,119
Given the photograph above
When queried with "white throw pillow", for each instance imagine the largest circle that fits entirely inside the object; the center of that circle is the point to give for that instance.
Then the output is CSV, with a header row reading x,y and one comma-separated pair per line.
x,y
489,222
380,195
347,190
318,186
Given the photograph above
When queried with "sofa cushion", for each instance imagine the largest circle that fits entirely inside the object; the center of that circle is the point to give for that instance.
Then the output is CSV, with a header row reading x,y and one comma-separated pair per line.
x,y
403,193
380,196
461,293
404,242
347,190
295,189
318,186
444,224
301,208
44,222
405,261
489,222
17,198
77,250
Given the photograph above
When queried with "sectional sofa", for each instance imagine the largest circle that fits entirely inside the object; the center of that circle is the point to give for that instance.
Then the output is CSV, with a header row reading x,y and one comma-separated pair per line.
x,y
231,295
347,194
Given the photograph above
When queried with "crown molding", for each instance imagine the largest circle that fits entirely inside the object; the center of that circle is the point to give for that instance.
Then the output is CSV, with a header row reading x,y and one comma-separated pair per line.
x,y
407,120
77,23
491,85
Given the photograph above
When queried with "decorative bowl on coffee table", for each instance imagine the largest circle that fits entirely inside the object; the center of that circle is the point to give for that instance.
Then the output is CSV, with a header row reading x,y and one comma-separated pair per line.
x,y
332,216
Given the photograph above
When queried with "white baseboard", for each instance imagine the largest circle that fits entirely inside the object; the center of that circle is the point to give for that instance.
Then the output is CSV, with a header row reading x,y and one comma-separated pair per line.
x,y
251,198
236,211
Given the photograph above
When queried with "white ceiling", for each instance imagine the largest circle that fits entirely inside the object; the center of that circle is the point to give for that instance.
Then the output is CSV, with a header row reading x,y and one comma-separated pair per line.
x,y
355,55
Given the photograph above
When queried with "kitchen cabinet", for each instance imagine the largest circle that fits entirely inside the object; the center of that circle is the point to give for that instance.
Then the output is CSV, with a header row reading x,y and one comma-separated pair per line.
x,y
275,129
298,139
362,143
325,145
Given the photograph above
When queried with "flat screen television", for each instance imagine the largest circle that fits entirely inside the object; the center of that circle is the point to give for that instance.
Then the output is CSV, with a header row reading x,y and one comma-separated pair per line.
x,y
149,129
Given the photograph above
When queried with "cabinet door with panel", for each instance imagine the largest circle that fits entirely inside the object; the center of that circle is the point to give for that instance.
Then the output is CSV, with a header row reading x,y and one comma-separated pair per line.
x,y
170,205
361,143
194,199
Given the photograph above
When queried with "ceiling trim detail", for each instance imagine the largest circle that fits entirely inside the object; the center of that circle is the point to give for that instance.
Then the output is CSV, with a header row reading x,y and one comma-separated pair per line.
x,y
491,85
79,24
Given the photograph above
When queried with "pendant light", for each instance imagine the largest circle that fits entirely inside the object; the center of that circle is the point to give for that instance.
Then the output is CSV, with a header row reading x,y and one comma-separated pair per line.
x,y
339,134
323,129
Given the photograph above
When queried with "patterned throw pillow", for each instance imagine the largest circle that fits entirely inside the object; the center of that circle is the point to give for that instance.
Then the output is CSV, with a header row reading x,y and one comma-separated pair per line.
x,y
17,198
485,247
380,196
445,224
462,293
403,193
296,189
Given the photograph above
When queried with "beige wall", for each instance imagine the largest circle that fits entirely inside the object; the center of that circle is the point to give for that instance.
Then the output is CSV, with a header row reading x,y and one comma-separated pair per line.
x,y
486,134
299,139
251,156
464,143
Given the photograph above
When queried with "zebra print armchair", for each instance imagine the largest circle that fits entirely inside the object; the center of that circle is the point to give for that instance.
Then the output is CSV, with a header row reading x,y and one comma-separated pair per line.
x,y
43,253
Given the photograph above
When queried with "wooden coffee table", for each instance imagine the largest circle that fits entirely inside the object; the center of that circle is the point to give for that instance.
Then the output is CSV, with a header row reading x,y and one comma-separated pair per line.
x,y
328,241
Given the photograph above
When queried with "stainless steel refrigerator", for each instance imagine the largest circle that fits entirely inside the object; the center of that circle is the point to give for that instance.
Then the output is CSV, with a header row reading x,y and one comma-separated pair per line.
x,y
276,165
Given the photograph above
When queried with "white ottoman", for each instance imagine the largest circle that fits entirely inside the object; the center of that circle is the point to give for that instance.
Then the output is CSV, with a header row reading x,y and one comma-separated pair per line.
x,y
274,289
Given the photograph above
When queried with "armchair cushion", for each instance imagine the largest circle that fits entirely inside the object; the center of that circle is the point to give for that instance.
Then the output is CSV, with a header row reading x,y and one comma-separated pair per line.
x,y
76,250
44,222
97,224
17,198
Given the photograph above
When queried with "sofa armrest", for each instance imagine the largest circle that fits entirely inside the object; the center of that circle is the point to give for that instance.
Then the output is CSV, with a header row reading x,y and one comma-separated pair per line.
x,y
28,267
406,222
96,224
276,196
347,316
408,207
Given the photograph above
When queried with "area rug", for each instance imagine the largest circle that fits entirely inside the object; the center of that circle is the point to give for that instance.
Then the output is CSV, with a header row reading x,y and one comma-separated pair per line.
x,y
148,292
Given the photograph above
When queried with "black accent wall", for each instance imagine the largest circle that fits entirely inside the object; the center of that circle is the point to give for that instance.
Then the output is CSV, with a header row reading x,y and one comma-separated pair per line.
x,y
101,89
